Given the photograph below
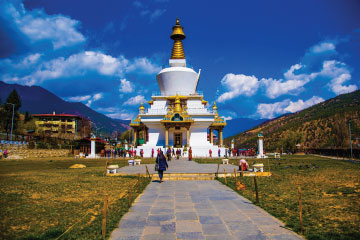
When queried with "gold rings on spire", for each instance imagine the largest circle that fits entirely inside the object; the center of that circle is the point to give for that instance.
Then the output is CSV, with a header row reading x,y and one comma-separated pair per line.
x,y
177,35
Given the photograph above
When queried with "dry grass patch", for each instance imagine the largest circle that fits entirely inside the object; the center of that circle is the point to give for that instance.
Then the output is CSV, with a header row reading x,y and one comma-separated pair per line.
x,y
330,193
41,198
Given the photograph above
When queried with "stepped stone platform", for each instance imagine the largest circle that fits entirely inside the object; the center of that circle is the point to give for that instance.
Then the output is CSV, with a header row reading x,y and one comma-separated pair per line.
x,y
183,169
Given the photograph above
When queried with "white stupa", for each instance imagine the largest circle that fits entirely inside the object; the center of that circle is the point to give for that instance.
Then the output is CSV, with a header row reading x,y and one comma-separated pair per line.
x,y
178,116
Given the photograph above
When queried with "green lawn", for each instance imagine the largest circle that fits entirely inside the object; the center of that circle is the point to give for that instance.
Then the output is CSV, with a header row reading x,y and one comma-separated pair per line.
x,y
42,198
330,194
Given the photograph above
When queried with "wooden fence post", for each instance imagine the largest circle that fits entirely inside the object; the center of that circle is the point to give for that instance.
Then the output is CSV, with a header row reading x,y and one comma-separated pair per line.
x,y
103,229
235,176
300,211
106,164
129,195
256,189
225,176
147,171
138,183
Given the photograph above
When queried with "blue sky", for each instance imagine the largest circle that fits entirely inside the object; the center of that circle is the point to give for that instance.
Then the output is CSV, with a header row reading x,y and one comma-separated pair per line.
x,y
259,59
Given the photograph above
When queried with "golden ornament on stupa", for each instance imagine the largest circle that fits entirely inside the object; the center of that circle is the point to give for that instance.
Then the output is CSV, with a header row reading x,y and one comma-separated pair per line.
x,y
177,108
177,35
141,108
214,108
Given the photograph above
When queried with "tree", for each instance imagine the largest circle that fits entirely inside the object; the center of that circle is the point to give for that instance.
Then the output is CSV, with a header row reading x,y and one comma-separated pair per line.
x,y
27,117
6,122
291,139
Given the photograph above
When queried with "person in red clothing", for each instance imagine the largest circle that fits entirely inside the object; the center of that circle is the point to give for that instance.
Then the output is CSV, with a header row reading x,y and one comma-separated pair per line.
x,y
134,153
234,152
210,153
152,153
141,153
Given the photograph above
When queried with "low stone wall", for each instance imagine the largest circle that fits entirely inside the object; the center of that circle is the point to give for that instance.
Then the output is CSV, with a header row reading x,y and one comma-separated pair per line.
x,y
19,153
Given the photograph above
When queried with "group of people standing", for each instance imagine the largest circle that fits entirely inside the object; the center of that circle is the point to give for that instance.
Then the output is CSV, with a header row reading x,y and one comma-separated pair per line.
x,y
121,152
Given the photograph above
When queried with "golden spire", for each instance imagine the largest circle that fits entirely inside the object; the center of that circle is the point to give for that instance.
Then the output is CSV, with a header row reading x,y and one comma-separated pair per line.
x,y
214,108
141,108
177,35
177,108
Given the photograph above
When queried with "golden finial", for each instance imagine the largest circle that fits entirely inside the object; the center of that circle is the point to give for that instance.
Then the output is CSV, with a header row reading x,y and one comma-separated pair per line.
x,y
214,108
177,107
177,35
141,108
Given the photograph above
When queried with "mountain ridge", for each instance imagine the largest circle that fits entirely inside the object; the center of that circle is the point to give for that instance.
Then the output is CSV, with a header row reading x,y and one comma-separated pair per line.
x,y
38,100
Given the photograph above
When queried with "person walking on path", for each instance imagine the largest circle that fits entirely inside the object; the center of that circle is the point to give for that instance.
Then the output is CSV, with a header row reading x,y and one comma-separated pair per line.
x,y
152,153
162,165
219,152
190,154
210,153
168,152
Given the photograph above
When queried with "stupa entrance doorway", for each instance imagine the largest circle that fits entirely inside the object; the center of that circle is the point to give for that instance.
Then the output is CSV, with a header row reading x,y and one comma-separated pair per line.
x,y
178,140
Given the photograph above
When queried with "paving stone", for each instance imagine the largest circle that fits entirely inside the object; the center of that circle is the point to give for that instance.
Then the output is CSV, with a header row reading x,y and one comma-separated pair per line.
x,y
159,237
151,230
159,210
189,235
210,220
219,237
186,216
168,228
283,237
249,235
160,217
188,226
215,229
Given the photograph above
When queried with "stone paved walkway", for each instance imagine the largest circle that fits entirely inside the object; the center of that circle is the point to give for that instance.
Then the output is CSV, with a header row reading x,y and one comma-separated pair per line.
x,y
197,210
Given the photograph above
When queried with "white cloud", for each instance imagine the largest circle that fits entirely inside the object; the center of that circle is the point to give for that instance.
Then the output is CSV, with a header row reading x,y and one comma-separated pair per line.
x,y
300,104
30,59
79,98
125,86
97,96
121,115
135,100
323,47
237,85
227,118
143,65
87,99
291,84
270,110
114,112
339,74
81,64
61,31
157,13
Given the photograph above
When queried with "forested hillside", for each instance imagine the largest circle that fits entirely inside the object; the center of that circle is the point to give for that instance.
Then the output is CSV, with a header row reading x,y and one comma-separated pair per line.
x,y
324,125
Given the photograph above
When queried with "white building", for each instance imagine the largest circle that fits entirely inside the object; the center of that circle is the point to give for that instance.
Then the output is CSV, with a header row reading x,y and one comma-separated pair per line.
x,y
178,116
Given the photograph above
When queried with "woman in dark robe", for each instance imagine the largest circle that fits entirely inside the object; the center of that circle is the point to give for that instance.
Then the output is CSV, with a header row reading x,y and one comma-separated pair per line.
x,y
162,163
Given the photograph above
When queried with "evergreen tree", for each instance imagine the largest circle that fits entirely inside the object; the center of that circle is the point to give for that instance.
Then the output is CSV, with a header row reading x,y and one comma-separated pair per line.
x,y
27,117
6,121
